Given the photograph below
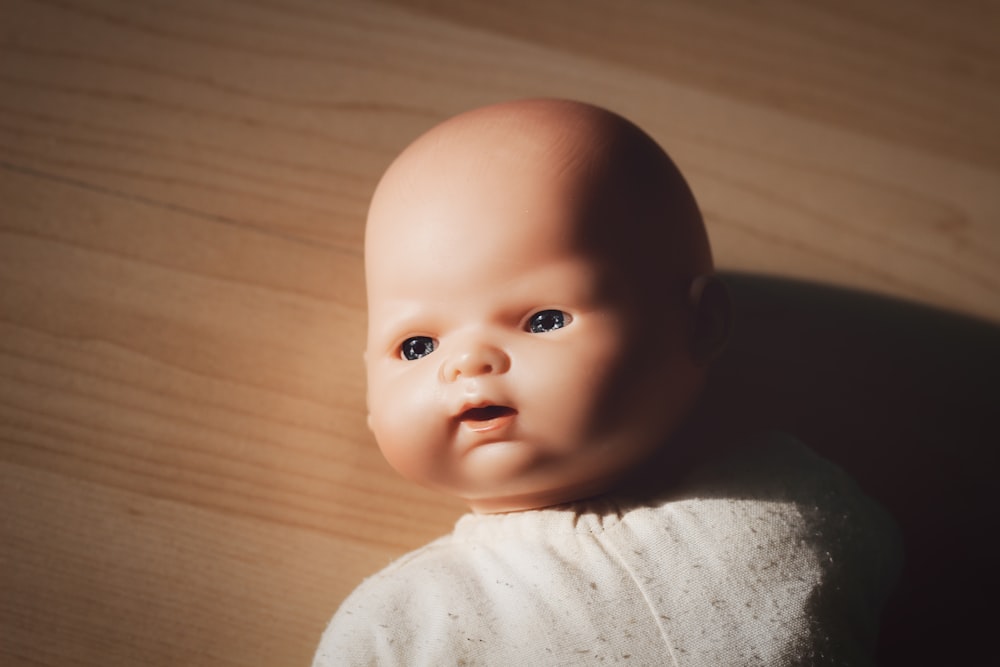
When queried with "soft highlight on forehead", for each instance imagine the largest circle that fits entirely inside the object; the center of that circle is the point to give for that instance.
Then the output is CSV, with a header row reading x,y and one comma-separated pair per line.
x,y
636,212
552,135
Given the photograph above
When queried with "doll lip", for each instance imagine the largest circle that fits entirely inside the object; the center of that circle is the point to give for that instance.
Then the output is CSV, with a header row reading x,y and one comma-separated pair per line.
x,y
486,417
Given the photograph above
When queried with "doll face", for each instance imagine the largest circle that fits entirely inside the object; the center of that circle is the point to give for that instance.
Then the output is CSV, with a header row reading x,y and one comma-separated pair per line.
x,y
488,384
507,365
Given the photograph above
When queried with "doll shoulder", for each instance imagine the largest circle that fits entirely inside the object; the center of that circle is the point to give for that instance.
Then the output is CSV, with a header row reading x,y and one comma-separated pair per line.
x,y
382,618
812,500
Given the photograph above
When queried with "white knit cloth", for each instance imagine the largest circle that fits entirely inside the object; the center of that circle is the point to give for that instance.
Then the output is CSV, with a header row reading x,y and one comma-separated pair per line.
x,y
771,558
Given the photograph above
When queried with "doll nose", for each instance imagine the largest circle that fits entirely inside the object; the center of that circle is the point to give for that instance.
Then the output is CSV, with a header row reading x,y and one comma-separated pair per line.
x,y
475,361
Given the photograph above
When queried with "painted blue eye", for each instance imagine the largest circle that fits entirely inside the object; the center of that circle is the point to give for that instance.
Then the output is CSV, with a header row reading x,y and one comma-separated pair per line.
x,y
547,320
416,347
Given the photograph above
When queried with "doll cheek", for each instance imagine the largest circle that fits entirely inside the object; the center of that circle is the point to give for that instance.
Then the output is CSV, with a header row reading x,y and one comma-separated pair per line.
x,y
407,429
405,449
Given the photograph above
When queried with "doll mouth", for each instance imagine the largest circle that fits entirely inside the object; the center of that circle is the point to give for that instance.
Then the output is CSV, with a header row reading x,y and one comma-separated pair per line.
x,y
487,417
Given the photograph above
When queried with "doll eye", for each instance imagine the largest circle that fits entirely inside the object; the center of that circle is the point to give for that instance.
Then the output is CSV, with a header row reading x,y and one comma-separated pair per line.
x,y
416,347
547,320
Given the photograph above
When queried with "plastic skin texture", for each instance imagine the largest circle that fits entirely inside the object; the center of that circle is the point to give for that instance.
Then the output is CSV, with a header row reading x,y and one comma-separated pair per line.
x,y
535,273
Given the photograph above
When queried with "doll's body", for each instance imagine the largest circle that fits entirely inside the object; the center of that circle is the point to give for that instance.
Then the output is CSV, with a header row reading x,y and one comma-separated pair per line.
x,y
542,314
758,560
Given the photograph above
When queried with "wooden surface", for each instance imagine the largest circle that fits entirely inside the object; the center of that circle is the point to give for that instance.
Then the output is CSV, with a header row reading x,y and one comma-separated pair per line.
x,y
185,473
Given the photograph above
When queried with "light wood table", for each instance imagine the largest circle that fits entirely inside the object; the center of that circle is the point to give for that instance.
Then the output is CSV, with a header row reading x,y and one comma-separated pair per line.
x,y
185,473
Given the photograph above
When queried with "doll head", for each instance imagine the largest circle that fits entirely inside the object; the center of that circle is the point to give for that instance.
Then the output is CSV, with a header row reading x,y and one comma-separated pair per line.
x,y
537,321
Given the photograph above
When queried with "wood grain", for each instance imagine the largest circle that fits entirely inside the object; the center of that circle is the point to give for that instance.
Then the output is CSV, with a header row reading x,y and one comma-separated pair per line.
x,y
185,471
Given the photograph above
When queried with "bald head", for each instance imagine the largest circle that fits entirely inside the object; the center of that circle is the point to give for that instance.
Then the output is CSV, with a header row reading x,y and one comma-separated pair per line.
x,y
529,267
629,206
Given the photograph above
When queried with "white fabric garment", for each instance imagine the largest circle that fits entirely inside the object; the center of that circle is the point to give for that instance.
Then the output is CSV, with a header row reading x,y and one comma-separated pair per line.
x,y
771,558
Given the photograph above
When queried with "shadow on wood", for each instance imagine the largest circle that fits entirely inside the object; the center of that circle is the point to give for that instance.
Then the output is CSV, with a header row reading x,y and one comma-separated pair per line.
x,y
903,397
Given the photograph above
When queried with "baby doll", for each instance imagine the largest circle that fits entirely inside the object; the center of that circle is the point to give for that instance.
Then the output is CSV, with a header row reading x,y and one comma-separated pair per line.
x,y
542,314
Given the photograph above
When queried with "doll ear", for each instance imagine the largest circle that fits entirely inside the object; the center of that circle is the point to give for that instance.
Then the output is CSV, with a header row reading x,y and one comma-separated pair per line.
x,y
713,318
